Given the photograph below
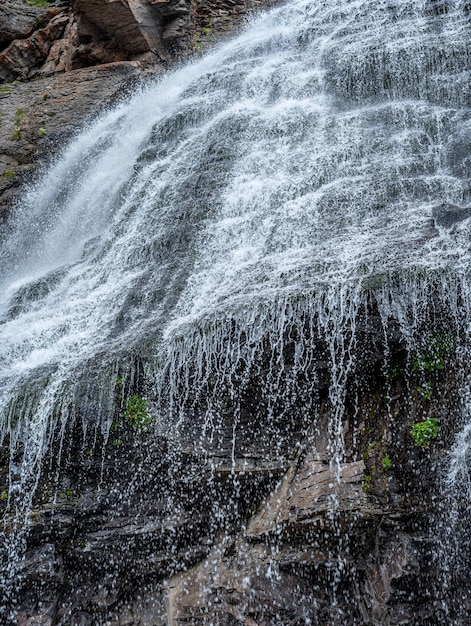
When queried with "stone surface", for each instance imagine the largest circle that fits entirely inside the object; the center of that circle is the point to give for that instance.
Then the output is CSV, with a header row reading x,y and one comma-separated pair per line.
x,y
23,57
18,20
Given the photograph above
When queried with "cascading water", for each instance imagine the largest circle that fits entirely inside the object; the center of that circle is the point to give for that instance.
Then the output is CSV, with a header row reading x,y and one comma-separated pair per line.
x,y
218,241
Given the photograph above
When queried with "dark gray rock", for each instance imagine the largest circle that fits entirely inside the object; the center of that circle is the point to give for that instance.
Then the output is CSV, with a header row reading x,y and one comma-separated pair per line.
x,y
446,215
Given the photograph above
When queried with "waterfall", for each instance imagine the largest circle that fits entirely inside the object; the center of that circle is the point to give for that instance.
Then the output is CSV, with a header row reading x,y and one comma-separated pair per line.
x,y
204,238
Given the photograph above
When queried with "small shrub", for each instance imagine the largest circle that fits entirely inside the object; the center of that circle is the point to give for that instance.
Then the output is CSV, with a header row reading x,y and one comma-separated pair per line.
x,y
426,390
433,354
423,433
136,412
367,483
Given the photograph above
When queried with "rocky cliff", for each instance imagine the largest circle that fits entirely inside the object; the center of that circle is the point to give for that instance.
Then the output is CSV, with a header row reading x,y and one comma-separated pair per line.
x,y
182,527
62,62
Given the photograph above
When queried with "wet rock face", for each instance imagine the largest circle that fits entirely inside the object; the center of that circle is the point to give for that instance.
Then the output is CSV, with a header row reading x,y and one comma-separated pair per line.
x,y
159,527
38,116
241,523
447,215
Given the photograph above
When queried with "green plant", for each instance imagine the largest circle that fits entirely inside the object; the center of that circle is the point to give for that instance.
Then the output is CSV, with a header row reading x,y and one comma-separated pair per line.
x,y
5,89
370,451
68,493
426,390
9,174
38,3
4,495
136,412
433,353
200,39
117,442
387,463
367,483
41,132
20,113
423,433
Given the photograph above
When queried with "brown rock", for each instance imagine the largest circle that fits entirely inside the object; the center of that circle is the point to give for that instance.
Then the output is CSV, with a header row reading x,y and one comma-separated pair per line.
x,y
311,490
127,24
38,116
23,57
18,20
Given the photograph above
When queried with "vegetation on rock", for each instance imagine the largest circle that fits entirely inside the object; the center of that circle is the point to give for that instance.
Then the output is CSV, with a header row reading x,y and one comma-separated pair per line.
x,y
38,3
424,433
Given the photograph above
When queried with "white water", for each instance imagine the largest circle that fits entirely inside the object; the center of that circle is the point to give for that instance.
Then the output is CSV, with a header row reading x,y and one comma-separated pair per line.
x,y
290,175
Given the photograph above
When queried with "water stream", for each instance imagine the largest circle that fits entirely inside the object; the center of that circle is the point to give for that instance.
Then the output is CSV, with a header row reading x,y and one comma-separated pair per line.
x,y
275,187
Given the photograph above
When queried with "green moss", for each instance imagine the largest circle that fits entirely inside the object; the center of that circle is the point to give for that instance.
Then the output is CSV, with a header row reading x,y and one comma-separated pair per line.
x,y
41,132
424,433
5,89
9,174
387,463
4,495
38,3
68,493
20,113
367,483
201,39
